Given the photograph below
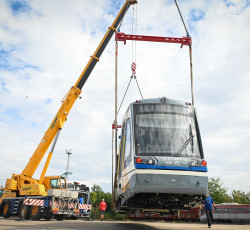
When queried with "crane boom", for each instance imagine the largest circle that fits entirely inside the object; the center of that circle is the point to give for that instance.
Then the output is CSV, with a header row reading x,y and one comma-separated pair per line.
x,y
72,95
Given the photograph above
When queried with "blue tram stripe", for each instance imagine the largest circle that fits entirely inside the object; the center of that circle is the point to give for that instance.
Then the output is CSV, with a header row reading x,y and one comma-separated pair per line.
x,y
145,166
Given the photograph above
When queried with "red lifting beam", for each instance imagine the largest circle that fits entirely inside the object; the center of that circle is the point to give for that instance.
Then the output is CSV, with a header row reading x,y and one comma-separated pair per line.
x,y
124,37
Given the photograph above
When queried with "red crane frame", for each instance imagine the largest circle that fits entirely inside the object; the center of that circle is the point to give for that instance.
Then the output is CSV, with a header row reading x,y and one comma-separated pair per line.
x,y
124,37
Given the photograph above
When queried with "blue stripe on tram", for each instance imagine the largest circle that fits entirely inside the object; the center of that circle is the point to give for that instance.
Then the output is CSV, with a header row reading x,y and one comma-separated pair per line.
x,y
145,166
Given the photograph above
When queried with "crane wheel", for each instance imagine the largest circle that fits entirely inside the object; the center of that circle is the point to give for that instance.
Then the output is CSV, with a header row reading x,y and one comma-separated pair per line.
x,y
6,210
59,217
47,215
35,212
24,212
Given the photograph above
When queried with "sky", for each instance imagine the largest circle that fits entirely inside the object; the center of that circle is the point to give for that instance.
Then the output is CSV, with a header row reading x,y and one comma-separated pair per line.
x,y
45,45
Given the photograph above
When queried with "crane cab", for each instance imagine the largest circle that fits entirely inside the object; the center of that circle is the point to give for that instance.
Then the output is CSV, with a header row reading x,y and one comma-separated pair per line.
x,y
55,182
1,191
36,189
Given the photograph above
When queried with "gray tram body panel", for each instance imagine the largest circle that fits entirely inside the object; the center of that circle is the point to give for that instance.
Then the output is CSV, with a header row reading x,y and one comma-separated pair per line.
x,y
143,181
134,181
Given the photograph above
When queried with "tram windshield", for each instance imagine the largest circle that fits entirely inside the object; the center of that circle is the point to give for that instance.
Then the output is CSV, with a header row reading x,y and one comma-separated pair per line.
x,y
165,130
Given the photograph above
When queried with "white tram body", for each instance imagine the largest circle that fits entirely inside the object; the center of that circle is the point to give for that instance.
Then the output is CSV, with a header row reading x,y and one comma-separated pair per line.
x,y
160,164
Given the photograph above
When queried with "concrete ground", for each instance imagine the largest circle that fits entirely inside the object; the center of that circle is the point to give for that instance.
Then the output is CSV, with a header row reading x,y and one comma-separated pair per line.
x,y
13,223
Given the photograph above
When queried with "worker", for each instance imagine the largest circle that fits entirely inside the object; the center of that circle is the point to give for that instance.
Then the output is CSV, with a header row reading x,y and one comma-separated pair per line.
x,y
208,206
102,208
81,201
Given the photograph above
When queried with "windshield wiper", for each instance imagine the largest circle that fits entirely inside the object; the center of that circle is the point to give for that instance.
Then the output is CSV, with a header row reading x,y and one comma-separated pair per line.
x,y
190,139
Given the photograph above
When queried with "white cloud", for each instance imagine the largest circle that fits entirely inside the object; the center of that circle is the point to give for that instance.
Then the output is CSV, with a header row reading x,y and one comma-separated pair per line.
x,y
43,51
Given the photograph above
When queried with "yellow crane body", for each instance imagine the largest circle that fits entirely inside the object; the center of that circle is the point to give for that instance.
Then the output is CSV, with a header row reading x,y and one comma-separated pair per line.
x,y
23,184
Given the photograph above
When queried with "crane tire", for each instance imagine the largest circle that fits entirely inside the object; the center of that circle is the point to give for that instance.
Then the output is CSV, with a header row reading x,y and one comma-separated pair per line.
x,y
6,210
35,212
24,212
59,217
48,217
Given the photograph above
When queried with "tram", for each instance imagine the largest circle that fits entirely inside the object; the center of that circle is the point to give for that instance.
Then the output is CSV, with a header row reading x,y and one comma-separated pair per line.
x,y
160,163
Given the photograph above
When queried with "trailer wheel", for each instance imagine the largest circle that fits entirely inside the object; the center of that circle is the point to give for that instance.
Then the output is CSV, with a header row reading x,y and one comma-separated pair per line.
x,y
35,212
59,217
6,210
24,212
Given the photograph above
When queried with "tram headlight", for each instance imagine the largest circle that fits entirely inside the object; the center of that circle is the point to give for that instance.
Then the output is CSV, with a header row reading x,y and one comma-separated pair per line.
x,y
204,163
145,160
138,160
197,163
193,163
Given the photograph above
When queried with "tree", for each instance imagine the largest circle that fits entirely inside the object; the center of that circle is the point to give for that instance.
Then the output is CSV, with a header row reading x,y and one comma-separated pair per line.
x,y
108,199
97,195
96,188
240,197
217,191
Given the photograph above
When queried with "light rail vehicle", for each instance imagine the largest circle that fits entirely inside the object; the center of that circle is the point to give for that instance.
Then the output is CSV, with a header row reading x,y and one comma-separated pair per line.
x,y
160,163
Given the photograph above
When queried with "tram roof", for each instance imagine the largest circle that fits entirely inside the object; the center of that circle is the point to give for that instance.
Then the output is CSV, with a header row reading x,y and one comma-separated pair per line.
x,y
158,100
161,100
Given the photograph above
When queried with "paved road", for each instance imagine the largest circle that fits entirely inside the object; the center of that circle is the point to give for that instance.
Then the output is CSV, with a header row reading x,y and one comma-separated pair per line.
x,y
111,225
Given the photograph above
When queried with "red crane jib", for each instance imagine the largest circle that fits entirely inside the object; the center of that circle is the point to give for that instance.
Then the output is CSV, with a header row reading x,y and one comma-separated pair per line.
x,y
124,37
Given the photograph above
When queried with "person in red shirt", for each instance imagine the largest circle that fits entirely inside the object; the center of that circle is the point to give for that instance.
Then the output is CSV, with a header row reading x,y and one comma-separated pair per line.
x,y
102,208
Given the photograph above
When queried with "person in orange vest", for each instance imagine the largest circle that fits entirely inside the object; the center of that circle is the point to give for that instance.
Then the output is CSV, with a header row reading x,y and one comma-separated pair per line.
x,y
102,208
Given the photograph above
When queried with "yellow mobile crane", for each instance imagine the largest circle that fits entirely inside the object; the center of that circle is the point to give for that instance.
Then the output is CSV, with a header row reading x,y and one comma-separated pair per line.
x,y
21,189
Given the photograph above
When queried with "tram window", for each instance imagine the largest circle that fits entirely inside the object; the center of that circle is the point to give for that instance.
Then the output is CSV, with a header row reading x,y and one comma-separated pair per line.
x,y
127,150
240,210
229,210
247,210
165,134
219,210
120,157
